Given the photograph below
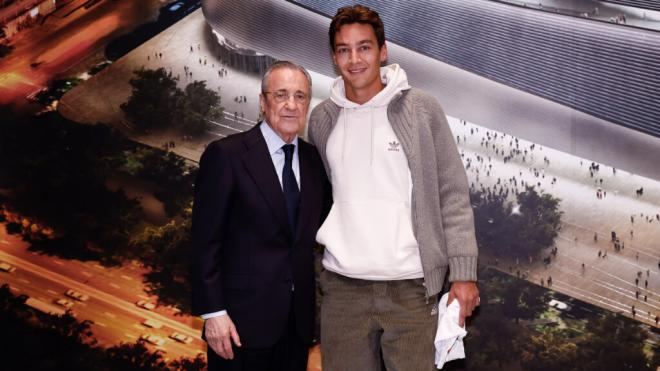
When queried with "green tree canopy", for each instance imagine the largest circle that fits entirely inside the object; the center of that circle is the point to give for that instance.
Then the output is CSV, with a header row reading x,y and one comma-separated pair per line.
x,y
165,250
198,106
157,103
521,300
154,95
516,231
135,357
549,351
167,171
56,89
613,342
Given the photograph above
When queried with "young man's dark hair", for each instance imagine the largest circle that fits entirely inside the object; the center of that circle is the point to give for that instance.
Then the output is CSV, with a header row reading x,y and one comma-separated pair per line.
x,y
357,14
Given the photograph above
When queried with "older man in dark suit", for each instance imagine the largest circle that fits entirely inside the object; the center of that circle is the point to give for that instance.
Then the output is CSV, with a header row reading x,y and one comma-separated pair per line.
x,y
260,197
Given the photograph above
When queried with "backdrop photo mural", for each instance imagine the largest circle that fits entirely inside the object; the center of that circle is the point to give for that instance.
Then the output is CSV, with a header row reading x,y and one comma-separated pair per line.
x,y
107,105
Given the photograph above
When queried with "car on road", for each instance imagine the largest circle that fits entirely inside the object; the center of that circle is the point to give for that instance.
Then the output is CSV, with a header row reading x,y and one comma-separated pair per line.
x,y
173,309
181,338
152,323
6,267
99,67
66,303
146,304
559,305
45,307
152,339
76,295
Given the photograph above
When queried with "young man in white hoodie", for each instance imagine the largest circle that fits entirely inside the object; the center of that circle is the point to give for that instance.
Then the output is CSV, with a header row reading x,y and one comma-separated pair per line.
x,y
401,218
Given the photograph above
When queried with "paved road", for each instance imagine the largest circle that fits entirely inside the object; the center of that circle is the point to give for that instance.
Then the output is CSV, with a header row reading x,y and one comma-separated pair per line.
x,y
16,8
64,40
114,313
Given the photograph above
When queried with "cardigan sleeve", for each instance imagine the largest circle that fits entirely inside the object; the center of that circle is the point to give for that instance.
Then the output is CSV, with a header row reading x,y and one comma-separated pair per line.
x,y
453,192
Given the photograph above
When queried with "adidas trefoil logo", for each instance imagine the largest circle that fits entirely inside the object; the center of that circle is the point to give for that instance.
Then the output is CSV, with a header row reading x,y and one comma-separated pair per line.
x,y
394,146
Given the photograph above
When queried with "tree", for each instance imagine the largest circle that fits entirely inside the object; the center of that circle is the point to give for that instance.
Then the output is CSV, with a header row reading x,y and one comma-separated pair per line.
x,y
613,342
548,351
490,214
135,356
522,300
169,173
157,103
5,47
154,95
655,361
541,220
189,364
199,106
521,231
484,345
8,302
56,89
165,253
37,341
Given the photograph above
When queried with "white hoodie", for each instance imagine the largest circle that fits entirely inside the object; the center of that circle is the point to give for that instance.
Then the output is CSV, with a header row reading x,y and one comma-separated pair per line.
x,y
368,233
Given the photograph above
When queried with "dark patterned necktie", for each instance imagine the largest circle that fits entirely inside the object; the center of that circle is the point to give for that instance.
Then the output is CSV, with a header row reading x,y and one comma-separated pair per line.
x,y
290,186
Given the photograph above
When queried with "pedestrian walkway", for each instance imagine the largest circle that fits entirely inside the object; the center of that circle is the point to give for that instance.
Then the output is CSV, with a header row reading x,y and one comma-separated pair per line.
x,y
608,278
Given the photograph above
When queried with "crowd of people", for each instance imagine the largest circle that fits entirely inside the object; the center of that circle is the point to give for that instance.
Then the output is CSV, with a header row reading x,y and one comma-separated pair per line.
x,y
503,165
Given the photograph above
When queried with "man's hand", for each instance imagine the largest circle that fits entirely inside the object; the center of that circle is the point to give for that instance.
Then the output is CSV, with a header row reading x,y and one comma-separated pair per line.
x,y
219,332
468,298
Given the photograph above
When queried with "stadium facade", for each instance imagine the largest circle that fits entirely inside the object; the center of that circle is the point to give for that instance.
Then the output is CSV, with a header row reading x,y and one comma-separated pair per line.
x,y
607,74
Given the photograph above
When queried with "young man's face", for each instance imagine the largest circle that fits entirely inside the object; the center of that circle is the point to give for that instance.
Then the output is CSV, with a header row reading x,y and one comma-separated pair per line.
x,y
358,58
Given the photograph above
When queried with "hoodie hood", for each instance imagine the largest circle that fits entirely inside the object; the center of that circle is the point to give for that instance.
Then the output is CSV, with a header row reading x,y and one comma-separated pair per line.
x,y
395,80
393,77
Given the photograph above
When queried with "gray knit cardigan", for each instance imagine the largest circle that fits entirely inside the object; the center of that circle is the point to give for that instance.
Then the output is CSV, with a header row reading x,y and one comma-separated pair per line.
x,y
442,218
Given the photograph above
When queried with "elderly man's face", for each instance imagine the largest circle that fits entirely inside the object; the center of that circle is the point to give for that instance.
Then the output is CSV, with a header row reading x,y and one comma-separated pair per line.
x,y
286,102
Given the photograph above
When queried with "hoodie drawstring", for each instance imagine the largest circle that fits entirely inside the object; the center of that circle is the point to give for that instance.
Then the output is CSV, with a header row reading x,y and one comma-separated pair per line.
x,y
371,123
344,128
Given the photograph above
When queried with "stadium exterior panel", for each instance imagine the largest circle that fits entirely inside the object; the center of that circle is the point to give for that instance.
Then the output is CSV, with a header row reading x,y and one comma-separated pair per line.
x,y
587,88
606,70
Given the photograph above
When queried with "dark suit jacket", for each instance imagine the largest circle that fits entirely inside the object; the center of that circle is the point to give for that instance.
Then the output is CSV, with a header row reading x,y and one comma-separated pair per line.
x,y
244,256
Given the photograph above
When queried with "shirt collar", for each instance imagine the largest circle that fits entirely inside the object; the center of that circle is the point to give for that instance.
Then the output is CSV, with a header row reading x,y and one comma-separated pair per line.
x,y
273,141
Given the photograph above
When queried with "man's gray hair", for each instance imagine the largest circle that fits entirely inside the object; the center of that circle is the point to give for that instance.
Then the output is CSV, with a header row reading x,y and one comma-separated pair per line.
x,y
284,64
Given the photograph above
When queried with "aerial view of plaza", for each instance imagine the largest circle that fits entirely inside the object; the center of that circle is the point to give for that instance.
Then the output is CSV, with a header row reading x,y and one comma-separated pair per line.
x,y
107,105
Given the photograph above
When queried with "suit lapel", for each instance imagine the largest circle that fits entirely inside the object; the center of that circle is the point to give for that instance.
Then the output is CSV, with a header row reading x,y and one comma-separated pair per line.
x,y
306,187
259,165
